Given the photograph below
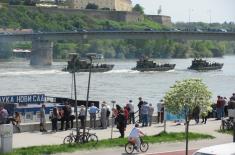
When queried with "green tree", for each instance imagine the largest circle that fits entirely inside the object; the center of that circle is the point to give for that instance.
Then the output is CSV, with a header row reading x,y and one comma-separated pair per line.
x,y
184,96
92,6
138,8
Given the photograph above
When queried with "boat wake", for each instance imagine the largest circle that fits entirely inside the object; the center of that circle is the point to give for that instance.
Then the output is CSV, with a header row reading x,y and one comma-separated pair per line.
x,y
171,70
32,72
122,71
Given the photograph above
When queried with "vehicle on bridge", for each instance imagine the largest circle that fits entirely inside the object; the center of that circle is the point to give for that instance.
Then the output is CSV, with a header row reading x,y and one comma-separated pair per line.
x,y
84,66
203,65
144,64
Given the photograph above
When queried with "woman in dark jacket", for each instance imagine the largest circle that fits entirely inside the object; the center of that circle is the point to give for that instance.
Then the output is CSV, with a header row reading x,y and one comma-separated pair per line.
x,y
54,119
121,123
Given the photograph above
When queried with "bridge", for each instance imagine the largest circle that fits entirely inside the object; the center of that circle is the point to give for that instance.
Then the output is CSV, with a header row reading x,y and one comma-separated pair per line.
x,y
42,43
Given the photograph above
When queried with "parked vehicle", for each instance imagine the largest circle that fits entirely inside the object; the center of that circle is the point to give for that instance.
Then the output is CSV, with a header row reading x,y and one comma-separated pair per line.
x,y
222,149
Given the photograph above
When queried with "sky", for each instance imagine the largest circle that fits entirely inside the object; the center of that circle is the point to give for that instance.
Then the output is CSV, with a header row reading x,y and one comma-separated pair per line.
x,y
192,10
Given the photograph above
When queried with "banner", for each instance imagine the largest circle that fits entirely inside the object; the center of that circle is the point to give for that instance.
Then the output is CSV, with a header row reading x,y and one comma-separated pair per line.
x,y
34,98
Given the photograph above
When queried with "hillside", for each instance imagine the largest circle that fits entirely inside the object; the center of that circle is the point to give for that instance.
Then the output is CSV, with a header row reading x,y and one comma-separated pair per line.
x,y
26,17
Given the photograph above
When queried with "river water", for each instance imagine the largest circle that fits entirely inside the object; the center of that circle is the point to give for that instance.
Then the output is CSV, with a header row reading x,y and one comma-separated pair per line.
x,y
120,84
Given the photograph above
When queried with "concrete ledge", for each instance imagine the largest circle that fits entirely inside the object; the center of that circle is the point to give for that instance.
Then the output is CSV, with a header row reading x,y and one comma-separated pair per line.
x,y
34,126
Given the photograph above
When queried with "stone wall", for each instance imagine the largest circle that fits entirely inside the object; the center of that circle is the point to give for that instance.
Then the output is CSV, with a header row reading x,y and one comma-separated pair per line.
x,y
99,14
165,20
32,127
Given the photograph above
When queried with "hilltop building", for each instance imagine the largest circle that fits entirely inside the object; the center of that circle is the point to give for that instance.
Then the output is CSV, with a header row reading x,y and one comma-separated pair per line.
x,y
164,20
117,5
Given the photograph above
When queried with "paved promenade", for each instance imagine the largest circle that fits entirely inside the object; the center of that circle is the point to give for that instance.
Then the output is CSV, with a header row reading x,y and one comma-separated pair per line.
x,y
37,138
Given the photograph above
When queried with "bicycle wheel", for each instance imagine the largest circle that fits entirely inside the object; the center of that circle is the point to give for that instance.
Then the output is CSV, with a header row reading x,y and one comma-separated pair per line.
x,y
68,140
144,146
129,148
93,138
81,140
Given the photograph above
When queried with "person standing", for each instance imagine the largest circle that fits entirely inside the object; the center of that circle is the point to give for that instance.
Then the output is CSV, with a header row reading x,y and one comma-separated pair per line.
x,y
54,119
61,118
93,110
204,116
141,102
3,115
121,124
131,112
72,116
43,119
225,107
150,114
144,114
108,113
103,116
67,114
82,115
219,108
223,102
159,112
126,114
196,112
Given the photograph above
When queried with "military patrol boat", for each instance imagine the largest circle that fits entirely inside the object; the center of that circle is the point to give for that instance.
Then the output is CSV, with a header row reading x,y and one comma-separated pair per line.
x,y
83,65
144,64
203,65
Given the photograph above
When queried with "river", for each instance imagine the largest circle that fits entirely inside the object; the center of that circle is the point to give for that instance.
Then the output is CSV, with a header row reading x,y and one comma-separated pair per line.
x,y
120,84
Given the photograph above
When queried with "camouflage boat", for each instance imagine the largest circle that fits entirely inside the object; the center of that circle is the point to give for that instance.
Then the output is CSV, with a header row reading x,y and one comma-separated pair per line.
x,y
84,66
147,65
203,65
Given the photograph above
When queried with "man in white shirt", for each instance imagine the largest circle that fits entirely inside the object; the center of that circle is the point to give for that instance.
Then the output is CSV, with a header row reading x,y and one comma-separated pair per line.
x,y
135,136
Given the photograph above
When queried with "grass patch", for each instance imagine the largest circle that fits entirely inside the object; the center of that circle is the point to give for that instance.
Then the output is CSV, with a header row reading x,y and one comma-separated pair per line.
x,y
230,132
118,142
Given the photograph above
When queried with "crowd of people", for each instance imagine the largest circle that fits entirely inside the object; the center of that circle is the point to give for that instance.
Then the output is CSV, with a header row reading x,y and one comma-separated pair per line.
x,y
122,115
65,115
219,109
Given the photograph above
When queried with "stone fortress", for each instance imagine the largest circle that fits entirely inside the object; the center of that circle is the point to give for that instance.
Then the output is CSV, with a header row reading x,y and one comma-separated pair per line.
x,y
116,5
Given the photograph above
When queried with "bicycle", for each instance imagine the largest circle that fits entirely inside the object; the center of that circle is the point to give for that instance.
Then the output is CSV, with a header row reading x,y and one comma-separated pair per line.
x,y
91,137
227,124
88,137
75,138
130,146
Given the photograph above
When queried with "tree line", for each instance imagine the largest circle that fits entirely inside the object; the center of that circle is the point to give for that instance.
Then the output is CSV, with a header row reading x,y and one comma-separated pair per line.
x,y
22,17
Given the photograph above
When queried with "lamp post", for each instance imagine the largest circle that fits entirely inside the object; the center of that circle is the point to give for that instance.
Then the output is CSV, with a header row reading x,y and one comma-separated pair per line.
x,y
113,102
73,61
186,113
90,56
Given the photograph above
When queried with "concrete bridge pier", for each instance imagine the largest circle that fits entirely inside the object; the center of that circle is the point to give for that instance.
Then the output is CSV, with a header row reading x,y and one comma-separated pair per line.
x,y
42,51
